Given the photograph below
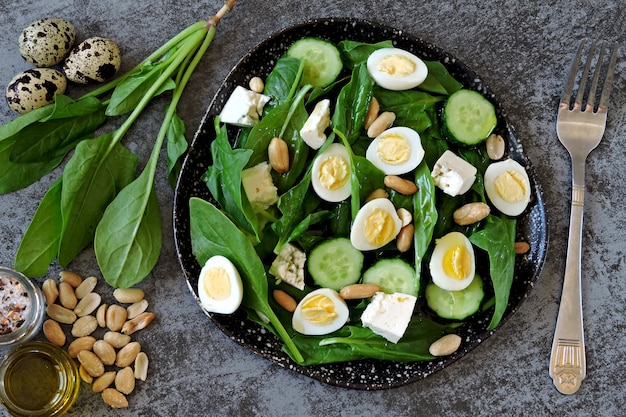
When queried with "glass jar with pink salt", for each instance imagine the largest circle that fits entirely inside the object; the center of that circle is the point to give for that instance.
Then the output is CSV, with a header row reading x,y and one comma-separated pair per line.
x,y
22,307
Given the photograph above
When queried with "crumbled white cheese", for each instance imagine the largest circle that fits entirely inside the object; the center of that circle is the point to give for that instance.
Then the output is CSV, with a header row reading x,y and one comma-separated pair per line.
x,y
452,174
388,315
289,266
259,186
313,130
243,108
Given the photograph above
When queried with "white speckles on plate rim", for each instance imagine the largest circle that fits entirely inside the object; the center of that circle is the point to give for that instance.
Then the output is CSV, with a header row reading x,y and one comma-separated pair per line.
x,y
364,374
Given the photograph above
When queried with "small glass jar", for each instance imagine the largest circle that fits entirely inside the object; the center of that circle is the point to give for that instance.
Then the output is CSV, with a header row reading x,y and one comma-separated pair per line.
x,y
38,379
22,307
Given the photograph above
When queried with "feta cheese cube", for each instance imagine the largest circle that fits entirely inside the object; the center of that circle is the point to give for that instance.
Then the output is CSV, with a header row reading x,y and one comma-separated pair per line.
x,y
243,108
388,315
289,266
452,174
313,130
259,186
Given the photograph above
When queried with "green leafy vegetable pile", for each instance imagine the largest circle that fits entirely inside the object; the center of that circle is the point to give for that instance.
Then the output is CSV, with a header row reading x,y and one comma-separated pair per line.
x,y
98,198
229,226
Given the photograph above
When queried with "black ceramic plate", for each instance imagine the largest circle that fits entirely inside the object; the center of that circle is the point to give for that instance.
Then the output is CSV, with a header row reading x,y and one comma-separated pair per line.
x,y
366,374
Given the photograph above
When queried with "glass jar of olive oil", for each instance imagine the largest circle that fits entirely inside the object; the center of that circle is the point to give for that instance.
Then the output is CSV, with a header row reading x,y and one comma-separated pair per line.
x,y
38,379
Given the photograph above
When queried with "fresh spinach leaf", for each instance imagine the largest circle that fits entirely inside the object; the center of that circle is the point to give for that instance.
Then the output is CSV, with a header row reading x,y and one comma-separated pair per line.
x,y
355,53
40,244
91,179
224,178
282,81
127,242
212,233
439,81
14,126
498,240
352,104
15,176
424,215
413,108
176,148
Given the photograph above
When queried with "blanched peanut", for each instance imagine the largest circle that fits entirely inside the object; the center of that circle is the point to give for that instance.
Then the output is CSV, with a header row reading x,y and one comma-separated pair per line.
x,y
116,339
495,146
377,193
84,326
88,304
101,315
125,380
82,343
470,213
67,298
128,295
278,154
93,365
405,216
86,287
404,240
141,366
137,308
382,123
372,113
140,322
71,278
103,382
401,185
445,346
358,291
61,314
115,317
50,291
114,398
53,332
285,300
521,247
256,84
105,352
127,354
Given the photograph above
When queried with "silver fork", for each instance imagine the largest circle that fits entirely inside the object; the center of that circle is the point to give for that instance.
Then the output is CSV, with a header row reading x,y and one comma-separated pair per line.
x,y
580,127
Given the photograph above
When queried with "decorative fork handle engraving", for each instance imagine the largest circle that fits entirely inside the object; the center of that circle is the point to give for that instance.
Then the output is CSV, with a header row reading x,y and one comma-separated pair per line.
x,y
567,367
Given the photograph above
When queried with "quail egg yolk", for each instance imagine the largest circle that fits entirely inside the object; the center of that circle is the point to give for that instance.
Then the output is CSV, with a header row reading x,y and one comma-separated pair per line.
x,y
511,186
217,283
319,309
334,172
396,65
457,262
394,149
379,227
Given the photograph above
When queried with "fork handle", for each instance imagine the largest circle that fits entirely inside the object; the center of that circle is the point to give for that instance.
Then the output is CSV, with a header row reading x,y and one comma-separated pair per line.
x,y
567,360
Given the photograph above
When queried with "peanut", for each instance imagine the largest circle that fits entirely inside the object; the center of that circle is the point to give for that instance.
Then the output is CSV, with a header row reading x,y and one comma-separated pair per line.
x,y
377,193
495,146
88,304
53,332
128,295
405,216
105,352
401,185
115,317
71,278
86,287
101,315
136,309
141,366
84,326
114,398
256,84
382,123
93,365
80,344
61,314
404,240
140,322
521,247
117,340
67,298
125,380
50,291
358,291
127,354
470,213
285,300
103,382
278,154
84,375
445,346
372,113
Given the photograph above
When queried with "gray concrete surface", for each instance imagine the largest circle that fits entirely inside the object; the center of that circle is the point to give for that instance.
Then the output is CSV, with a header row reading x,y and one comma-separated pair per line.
x,y
522,50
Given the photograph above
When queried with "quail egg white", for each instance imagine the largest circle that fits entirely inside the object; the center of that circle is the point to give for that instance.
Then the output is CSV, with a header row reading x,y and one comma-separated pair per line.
x,y
396,151
507,186
46,42
219,286
322,311
376,224
452,265
396,69
34,88
93,60
331,174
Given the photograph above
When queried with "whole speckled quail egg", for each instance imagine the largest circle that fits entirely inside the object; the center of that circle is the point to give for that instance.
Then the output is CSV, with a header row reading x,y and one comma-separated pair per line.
x,y
46,42
95,59
34,88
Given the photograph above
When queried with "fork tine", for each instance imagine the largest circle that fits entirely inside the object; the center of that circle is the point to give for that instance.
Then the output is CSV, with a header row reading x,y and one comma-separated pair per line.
x,y
608,81
591,99
583,80
566,98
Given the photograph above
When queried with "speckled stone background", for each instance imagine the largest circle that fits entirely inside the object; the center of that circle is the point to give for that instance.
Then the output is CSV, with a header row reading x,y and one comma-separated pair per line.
x,y
522,51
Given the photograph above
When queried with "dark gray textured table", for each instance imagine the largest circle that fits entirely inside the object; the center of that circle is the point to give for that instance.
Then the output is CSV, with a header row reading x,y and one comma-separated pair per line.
x,y
522,51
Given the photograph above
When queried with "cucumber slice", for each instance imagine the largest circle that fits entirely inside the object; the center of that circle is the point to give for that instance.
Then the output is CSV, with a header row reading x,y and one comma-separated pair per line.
x,y
468,117
392,275
335,264
322,60
456,305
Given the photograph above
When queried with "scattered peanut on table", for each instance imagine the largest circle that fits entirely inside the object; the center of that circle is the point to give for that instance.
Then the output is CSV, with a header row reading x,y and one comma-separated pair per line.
x,y
112,362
